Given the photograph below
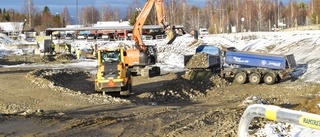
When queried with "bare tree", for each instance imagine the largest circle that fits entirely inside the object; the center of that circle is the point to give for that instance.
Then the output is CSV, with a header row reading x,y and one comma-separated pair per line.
x,y
315,4
30,11
117,13
134,6
90,15
209,14
65,17
102,11
108,13
95,15
194,17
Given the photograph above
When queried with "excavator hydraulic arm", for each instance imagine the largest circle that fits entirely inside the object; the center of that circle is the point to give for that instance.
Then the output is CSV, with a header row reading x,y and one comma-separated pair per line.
x,y
137,28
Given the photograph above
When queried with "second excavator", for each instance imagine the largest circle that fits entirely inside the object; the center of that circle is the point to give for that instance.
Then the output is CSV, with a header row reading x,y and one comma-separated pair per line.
x,y
142,58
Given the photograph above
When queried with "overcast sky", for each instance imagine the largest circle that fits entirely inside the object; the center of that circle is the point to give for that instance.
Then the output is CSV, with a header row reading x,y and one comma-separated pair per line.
x,y
56,6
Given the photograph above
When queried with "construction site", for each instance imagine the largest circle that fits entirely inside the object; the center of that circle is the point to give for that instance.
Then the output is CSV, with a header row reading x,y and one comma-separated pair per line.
x,y
56,96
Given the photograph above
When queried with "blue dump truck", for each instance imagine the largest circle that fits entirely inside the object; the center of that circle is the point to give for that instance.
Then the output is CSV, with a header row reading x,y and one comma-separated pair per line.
x,y
243,66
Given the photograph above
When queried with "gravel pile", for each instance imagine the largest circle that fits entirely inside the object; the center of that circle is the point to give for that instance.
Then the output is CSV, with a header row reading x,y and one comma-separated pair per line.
x,y
60,80
199,60
176,90
206,77
192,86
65,57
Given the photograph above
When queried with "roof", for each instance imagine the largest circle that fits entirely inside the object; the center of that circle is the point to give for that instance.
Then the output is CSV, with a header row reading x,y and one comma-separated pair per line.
x,y
74,26
106,25
111,23
11,26
103,28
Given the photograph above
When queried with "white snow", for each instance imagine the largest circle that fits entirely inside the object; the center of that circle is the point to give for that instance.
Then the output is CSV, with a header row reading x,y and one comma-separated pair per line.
x,y
305,45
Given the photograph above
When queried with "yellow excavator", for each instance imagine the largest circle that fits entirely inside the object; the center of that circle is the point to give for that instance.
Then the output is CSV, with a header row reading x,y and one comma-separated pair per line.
x,y
141,57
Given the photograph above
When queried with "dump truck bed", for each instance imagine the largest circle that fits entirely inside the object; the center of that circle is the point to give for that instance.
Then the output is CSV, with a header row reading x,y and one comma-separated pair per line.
x,y
201,60
270,61
205,57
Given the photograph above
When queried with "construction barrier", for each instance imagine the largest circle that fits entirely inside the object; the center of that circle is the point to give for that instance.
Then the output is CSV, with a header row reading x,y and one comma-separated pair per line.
x,y
277,114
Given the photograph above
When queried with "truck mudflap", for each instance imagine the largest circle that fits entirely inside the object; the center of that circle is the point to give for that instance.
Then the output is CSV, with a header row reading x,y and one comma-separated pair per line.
x,y
284,74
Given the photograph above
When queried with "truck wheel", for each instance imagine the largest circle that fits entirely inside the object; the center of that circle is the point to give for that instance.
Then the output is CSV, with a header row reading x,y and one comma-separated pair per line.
x,y
269,78
240,78
254,78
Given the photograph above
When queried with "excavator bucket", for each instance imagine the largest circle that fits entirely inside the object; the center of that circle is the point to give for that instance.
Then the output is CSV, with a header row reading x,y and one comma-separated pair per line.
x,y
170,36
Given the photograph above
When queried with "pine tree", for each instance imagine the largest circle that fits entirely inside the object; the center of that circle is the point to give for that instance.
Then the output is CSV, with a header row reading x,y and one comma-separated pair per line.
x,y
133,19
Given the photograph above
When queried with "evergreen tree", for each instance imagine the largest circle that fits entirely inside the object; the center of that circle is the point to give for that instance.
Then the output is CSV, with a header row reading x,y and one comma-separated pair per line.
x,y
133,19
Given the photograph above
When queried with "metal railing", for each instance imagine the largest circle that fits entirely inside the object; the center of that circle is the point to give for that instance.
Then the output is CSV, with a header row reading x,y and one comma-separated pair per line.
x,y
277,114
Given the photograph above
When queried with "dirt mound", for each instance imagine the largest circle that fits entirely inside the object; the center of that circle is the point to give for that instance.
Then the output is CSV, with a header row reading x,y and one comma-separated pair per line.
x,y
311,106
206,77
65,57
71,82
48,58
177,90
191,86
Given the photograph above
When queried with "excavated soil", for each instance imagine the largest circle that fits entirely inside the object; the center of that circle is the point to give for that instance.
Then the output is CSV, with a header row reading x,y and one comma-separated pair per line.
x,y
199,60
62,102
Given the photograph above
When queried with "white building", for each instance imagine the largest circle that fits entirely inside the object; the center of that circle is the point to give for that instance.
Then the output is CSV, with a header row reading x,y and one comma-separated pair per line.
x,y
12,27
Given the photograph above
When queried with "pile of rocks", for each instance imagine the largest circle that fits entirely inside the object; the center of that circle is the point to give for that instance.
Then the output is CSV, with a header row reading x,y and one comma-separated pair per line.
x,y
192,86
65,57
58,79
199,60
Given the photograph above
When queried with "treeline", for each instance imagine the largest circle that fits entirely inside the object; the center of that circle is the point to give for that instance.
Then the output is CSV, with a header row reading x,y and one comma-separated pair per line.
x,y
217,15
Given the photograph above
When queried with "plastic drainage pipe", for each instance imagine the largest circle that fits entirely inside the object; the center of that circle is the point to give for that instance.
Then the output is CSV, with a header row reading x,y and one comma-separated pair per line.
x,y
277,114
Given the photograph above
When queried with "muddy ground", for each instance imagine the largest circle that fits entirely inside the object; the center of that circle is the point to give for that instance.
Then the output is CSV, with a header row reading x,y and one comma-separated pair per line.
x,y
62,102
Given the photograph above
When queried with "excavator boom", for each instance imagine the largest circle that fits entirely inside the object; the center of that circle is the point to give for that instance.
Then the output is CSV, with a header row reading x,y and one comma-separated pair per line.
x,y
137,28
143,58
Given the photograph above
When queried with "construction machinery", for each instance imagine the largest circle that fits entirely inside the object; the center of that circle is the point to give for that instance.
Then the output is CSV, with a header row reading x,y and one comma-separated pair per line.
x,y
141,57
112,74
242,65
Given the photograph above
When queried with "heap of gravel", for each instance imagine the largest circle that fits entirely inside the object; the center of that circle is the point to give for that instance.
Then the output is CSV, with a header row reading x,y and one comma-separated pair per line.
x,y
199,60
56,80
191,86
65,57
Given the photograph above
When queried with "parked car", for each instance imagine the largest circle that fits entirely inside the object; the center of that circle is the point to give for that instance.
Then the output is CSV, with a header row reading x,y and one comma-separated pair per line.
x,y
91,37
105,36
69,37
99,36
203,31
62,36
82,36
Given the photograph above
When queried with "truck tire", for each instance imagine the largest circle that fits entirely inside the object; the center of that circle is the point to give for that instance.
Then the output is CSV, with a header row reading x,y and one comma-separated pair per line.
x,y
269,78
255,78
240,78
